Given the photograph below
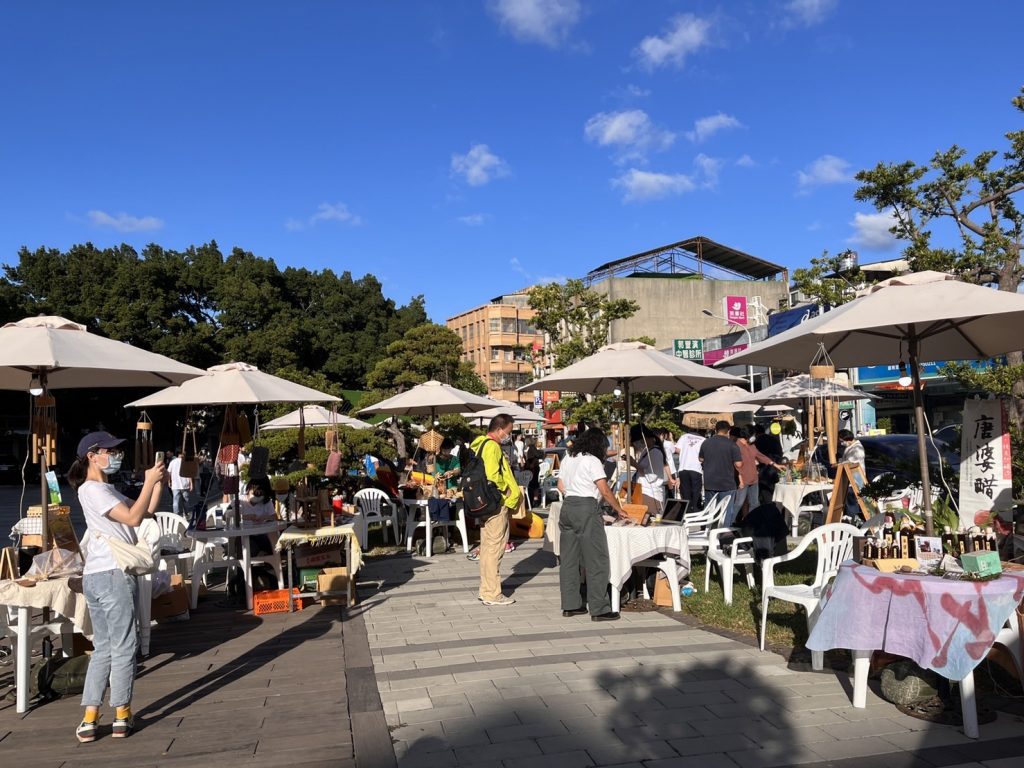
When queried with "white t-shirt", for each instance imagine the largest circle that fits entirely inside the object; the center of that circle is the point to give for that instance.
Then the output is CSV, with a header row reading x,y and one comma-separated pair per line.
x,y
97,499
579,475
670,456
258,513
689,453
178,483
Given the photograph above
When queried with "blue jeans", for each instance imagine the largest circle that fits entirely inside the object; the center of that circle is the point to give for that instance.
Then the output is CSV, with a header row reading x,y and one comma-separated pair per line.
x,y
176,497
110,596
731,509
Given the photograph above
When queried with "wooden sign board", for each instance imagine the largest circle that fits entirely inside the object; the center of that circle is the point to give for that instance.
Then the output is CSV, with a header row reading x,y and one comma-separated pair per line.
x,y
848,477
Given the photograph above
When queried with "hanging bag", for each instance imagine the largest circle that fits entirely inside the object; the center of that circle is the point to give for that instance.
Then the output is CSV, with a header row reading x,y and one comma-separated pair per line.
x,y
134,559
189,468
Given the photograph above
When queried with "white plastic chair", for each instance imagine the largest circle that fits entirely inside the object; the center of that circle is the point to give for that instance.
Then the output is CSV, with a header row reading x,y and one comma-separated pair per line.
x,y
699,524
740,553
834,544
173,534
374,506
411,524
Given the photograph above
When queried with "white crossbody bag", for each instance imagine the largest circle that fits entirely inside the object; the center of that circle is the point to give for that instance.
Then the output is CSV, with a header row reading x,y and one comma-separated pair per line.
x,y
134,559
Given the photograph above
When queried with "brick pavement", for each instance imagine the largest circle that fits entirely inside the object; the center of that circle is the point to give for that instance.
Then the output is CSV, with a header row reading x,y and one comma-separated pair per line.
x,y
463,684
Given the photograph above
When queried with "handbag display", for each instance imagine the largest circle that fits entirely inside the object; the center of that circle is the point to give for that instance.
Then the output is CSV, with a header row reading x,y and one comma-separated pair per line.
x,y
134,559
189,464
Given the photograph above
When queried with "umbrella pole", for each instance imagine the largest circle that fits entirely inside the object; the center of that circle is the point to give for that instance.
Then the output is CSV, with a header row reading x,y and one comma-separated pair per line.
x,y
922,449
625,440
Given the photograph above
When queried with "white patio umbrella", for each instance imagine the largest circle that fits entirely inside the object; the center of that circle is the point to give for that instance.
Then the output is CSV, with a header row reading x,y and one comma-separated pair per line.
x,y
234,384
632,366
50,352
313,416
920,317
429,399
723,400
517,412
796,389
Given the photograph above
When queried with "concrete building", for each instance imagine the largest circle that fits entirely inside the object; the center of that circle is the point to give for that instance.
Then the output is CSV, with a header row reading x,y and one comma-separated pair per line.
x,y
674,285
499,339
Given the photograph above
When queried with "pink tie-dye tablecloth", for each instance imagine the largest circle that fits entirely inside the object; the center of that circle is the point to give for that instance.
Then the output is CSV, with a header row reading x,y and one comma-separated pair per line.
x,y
948,626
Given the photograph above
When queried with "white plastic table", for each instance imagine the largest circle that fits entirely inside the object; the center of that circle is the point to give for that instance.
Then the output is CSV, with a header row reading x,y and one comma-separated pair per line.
x,y
69,613
632,545
245,533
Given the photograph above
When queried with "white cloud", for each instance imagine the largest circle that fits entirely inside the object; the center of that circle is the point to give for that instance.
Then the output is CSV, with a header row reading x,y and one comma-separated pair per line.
x,y
537,21
806,13
122,222
706,127
709,168
827,169
646,185
533,279
871,230
631,131
325,212
478,166
686,34
745,161
474,219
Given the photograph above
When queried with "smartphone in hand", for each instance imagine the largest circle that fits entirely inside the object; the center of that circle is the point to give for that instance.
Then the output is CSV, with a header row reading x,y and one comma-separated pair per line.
x,y
159,459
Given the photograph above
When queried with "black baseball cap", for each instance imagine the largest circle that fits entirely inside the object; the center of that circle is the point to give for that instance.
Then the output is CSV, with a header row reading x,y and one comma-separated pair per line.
x,y
96,440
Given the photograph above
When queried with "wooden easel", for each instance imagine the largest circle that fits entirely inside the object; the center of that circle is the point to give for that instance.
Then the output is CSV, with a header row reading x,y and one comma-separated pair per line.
x,y
848,477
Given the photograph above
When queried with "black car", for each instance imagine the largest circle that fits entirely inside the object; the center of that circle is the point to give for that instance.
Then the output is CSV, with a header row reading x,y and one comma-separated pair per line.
x,y
897,455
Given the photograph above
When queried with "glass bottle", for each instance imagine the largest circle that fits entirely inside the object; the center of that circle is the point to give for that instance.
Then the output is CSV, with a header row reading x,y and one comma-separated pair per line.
x,y
949,544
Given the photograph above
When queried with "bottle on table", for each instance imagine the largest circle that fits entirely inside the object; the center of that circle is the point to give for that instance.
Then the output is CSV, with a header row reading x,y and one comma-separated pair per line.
x,y
949,542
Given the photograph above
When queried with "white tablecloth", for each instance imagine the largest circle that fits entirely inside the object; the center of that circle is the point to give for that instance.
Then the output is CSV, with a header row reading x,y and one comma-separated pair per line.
x,y
55,594
790,495
628,545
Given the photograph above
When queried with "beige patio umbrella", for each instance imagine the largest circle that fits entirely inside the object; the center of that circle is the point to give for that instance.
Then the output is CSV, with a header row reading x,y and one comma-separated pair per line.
x,y
313,416
920,317
429,399
723,400
632,366
796,389
47,352
234,384
517,412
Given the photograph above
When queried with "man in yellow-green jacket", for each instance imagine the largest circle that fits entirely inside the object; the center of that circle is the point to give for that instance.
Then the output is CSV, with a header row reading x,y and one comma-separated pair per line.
x,y
494,530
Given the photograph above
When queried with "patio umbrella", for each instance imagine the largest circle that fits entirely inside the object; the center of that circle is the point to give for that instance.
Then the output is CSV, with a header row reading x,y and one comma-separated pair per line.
x,y
517,412
313,416
50,352
796,389
235,384
429,399
632,366
723,400
920,317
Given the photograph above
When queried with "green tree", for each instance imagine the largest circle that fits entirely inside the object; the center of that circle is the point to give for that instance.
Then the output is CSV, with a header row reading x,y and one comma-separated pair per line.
x,y
576,318
978,199
425,352
828,281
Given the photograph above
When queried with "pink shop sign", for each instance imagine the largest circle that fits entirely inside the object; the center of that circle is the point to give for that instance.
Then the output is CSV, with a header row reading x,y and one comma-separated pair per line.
x,y
736,309
712,356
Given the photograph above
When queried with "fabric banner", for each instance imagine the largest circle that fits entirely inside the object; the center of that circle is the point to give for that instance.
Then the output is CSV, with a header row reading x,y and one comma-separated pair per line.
x,y
985,467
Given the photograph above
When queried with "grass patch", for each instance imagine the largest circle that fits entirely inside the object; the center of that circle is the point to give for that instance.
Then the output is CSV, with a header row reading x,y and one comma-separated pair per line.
x,y
787,622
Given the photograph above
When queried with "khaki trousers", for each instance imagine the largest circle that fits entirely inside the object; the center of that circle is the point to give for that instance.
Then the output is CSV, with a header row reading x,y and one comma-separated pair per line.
x,y
493,538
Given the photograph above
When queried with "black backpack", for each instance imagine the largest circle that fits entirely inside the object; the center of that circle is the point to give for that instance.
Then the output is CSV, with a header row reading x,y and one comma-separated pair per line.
x,y
480,497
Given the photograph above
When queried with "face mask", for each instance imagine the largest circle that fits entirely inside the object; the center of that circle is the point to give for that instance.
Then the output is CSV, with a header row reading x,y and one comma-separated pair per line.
x,y
113,465
506,439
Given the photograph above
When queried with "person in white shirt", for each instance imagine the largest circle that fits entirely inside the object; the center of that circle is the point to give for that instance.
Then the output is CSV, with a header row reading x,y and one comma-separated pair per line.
x,y
689,471
669,447
181,487
583,483
109,591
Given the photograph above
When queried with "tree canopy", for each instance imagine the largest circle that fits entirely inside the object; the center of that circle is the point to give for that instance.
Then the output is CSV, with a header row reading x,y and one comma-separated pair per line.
x,y
829,280
426,351
576,318
202,308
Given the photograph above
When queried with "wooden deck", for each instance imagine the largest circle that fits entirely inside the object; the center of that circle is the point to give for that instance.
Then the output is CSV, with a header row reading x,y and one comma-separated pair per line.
x,y
227,688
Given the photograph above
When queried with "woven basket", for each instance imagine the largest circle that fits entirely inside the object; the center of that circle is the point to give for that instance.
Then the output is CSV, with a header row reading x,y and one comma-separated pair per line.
x,y
431,441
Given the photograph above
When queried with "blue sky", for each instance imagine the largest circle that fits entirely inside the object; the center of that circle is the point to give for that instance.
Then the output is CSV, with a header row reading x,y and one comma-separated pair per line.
x,y
464,148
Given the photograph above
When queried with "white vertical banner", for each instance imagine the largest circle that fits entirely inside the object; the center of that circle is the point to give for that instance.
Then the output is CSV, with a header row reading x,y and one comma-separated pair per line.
x,y
985,467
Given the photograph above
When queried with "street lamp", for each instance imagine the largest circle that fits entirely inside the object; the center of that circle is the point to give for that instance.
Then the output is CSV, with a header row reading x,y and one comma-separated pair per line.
x,y
750,342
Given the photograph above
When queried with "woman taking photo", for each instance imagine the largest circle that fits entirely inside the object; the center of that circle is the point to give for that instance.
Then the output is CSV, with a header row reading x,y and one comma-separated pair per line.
x,y
583,484
109,591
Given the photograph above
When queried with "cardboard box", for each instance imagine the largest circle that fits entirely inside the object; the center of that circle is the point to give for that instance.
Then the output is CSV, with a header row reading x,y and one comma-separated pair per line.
x,y
309,579
333,584
173,603
981,563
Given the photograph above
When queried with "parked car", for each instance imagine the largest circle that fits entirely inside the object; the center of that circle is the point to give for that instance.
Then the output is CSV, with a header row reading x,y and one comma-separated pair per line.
x,y
897,455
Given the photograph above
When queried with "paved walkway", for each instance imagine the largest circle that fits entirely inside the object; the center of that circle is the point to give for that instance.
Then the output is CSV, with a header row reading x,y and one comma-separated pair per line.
x,y
521,687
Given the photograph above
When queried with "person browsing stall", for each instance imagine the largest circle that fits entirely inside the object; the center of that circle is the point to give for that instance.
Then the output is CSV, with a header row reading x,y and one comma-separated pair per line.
x,y
494,530
748,470
721,461
583,483
109,591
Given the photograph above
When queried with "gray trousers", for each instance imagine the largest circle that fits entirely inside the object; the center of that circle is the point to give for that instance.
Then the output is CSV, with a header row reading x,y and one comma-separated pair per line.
x,y
583,543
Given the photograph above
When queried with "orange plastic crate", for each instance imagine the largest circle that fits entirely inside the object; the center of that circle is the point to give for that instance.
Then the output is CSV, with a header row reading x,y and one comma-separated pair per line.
x,y
275,601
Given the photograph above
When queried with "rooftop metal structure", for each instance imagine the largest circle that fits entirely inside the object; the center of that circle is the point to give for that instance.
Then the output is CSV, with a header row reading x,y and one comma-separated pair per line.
x,y
698,257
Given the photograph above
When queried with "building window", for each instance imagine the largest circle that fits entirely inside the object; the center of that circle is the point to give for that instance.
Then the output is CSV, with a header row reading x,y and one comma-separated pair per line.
x,y
495,325
508,325
509,381
495,353
525,327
